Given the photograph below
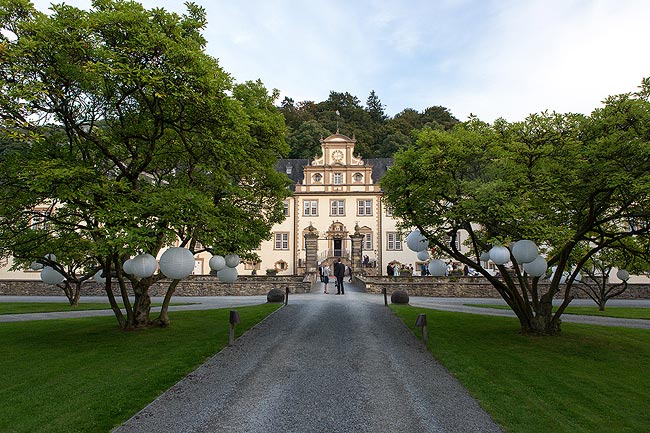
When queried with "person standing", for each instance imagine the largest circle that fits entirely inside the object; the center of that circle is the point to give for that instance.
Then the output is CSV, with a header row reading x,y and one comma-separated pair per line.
x,y
339,273
326,276
389,270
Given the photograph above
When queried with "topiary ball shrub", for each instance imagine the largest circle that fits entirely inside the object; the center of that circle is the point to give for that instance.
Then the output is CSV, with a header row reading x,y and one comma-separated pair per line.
x,y
399,297
275,295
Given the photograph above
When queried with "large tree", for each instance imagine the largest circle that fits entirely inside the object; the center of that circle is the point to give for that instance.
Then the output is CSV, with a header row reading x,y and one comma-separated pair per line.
x,y
135,137
563,181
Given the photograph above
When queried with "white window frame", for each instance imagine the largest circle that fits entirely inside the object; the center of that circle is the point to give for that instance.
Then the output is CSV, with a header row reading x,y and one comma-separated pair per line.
x,y
337,178
310,207
364,207
367,242
393,241
281,241
337,207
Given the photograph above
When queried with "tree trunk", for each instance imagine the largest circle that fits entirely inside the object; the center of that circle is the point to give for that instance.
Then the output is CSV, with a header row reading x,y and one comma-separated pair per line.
x,y
77,294
601,304
67,290
163,318
141,306
540,322
111,298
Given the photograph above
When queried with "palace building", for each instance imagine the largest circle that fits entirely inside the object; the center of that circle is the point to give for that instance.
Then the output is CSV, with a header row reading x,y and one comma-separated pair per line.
x,y
334,195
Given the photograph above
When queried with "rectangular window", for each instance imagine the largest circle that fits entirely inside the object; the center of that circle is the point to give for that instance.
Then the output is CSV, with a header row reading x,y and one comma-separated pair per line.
x,y
458,242
39,220
310,207
249,266
389,211
367,242
394,241
338,178
364,207
281,241
286,208
337,208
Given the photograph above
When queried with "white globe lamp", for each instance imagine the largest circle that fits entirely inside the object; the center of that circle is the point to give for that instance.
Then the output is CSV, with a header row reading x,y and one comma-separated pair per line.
x,y
423,255
416,242
127,266
98,277
485,256
622,275
232,260
500,255
51,257
143,266
177,263
35,266
227,275
524,251
217,263
536,268
437,268
50,275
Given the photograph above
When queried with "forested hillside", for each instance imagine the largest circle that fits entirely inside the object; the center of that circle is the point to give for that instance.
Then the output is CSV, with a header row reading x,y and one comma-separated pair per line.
x,y
377,134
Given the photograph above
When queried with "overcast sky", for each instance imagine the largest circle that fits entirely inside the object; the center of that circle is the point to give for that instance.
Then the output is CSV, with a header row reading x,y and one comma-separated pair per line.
x,y
492,58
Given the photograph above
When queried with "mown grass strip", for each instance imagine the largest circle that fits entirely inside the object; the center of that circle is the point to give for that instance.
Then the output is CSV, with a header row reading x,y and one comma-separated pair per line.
x,y
52,307
589,379
85,375
620,312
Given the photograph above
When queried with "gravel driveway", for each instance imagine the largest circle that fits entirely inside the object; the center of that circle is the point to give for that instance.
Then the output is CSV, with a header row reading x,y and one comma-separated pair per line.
x,y
324,363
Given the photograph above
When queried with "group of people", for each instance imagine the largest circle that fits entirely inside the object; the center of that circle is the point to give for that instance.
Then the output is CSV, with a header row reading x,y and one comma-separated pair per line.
x,y
395,269
366,262
339,272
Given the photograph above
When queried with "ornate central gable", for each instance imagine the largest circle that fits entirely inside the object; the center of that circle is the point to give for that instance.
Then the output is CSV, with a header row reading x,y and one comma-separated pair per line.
x,y
337,149
337,170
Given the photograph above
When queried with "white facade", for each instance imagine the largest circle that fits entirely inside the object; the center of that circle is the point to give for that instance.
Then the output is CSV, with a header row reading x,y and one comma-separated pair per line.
x,y
333,193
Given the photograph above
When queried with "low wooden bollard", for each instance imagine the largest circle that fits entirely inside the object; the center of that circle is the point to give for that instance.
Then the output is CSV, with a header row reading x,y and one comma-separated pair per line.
x,y
422,322
234,319
286,295
383,290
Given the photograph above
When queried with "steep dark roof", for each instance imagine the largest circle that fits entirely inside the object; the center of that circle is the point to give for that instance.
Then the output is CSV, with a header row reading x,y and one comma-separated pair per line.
x,y
297,169
379,167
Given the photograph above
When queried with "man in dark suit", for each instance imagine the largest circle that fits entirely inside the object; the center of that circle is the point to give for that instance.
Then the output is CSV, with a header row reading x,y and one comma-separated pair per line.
x,y
339,273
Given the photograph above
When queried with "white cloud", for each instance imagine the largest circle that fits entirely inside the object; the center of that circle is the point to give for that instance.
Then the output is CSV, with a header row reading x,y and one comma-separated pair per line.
x,y
488,57
566,58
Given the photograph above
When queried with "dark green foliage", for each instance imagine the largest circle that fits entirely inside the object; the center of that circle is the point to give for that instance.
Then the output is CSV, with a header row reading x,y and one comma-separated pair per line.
x,y
130,137
377,134
576,185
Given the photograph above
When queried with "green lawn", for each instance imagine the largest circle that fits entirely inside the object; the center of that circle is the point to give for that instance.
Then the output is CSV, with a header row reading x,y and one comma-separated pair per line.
x,y
50,307
621,312
589,379
85,375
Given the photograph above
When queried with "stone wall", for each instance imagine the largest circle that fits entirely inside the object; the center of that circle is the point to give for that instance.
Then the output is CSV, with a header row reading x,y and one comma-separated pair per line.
x,y
197,285
464,287
209,285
